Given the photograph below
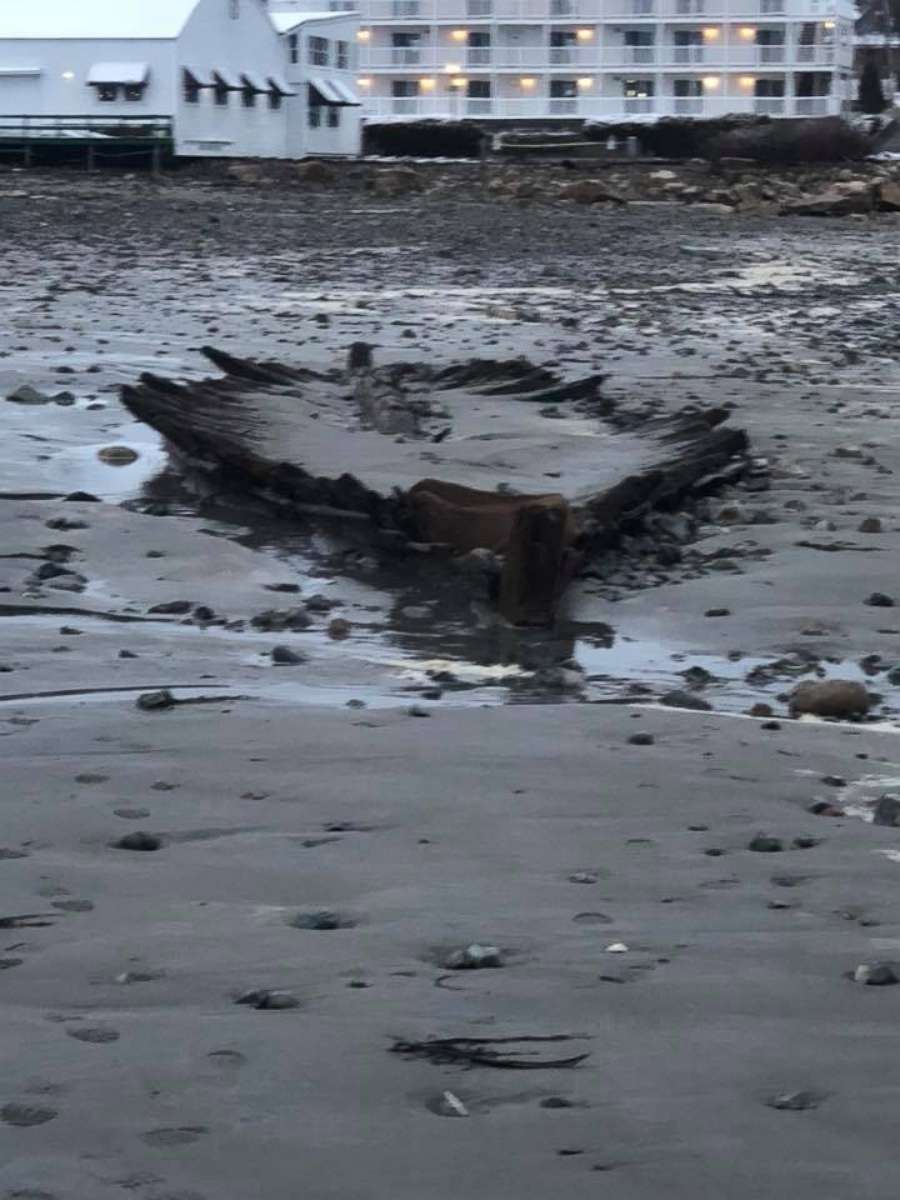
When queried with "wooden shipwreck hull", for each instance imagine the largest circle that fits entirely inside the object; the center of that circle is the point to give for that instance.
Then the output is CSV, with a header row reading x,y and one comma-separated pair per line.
x,y
466,457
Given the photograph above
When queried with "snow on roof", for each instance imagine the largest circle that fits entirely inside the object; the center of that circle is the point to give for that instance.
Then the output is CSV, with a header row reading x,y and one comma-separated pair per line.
x,y
286,21
55,19
119,72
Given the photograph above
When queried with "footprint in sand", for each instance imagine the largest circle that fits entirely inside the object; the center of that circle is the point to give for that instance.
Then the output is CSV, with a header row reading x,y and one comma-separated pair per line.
x,y
183,1135
24,1115
96,1035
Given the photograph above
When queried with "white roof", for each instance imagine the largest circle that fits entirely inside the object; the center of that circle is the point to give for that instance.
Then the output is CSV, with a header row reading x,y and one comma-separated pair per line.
x,y
255,81
279,83
285,21
229,78
333,91
54,19
118,72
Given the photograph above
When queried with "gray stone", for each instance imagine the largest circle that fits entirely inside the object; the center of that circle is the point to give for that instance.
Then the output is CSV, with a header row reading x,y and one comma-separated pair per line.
x,y
473,958
26,394
875,974
156,701
284,656
138,841
887,810
842,699
762,843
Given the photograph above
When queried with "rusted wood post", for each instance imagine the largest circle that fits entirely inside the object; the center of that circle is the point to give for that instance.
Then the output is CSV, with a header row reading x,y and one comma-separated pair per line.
x,y
533,571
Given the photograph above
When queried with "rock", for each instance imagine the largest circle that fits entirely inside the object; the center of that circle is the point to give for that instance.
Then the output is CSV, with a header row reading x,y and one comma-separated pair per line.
x,y
339,628
887,811
156,701
888,196
680,699
805,841
842,699
583,877
641,739
717,612
82,498
245,172
397,181
557,1102
316,172
473,958
870,525
834,781
416,710
64,399
320,919
831,203
880,600
65,523
26,394
795,1101
275,620
127,654
617,948
875,974
821,808
139,840
590,191
663,176
266,999
117,456
761,710
321,604
284,656
762,843
172,607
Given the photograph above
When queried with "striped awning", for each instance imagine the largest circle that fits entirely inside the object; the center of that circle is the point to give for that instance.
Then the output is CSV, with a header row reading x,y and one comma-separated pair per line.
x,y
223,77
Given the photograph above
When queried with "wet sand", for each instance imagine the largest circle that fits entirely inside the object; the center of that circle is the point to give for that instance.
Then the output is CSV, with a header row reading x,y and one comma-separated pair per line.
x,y
427,834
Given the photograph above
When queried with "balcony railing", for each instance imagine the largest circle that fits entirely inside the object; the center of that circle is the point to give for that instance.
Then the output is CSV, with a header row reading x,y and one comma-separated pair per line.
x,y
445,12
453,105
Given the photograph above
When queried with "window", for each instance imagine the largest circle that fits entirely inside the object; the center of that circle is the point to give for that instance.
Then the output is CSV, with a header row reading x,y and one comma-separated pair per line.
x,y
405,96
334,116
342,56
314,116
563,96
220,91
688,87
405,49
293,49
478,97
639,46
688,96
685,8
642,8
406,8
478,51
562,46
134,91
769,88
562,8
480,8
771,6
248,97
108,91
191,88
318,51
688,45
274,101
638,89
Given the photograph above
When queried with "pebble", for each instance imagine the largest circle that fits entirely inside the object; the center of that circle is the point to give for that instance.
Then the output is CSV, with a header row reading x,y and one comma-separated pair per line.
x,y
617,948
156,701
416,710
880,600
322,918
680,699
887,810
138,841
875,974
641,739
870,525
266,999
764,844
795,1101
583,877
717,612
284,656
172,607
450,1105
339,628
473,958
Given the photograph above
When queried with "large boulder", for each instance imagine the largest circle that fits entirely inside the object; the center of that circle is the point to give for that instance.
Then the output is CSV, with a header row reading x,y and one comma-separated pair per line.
x,y
590,191
832,203
843,699
889,196
313,171
396,181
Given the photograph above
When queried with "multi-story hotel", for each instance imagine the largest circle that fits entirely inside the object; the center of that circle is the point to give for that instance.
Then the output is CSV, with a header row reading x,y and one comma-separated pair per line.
x,y
530,60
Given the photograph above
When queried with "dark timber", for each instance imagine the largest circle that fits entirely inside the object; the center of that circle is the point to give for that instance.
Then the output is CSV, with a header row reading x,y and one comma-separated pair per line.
x,y
456,457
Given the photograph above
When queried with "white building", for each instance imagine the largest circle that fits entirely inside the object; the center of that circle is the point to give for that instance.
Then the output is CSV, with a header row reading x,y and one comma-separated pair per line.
x,y
608,60
206,77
